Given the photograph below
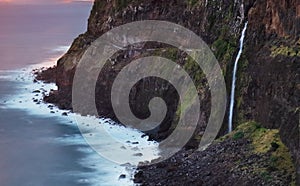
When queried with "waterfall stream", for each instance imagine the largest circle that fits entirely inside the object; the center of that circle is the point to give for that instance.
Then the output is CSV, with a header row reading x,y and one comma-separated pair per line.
x,y
234,77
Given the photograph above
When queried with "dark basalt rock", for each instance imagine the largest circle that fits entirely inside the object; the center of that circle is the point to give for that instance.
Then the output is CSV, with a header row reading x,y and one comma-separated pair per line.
x,y
226,162
122,176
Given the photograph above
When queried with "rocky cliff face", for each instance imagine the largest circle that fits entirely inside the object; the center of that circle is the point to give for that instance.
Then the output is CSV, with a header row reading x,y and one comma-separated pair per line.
x,y
268,77
269,80
219,24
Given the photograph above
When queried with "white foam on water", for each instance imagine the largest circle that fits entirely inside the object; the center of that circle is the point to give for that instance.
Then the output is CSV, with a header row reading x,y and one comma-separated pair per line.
x,y
5,76
117,143
101,132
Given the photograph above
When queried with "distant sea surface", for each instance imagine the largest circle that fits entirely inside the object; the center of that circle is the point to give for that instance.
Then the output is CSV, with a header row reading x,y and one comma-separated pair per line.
x,y
39,146
31,33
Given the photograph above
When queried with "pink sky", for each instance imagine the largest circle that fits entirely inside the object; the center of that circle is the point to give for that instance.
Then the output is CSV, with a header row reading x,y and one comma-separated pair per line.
x,y
40,1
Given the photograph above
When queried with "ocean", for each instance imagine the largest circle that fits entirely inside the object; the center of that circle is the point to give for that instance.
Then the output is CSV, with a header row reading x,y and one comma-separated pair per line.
x,y
39,144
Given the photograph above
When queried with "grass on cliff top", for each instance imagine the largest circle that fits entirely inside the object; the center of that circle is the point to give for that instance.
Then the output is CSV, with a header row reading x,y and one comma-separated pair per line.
x,y
265,142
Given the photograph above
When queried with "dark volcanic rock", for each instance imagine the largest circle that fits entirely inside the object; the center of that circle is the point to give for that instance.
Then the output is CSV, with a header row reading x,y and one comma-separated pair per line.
x,y
227,162
122,176
268,87
201,19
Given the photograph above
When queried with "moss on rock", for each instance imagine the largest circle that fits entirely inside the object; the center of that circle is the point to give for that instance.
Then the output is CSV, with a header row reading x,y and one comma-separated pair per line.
x,y
288,51
266,142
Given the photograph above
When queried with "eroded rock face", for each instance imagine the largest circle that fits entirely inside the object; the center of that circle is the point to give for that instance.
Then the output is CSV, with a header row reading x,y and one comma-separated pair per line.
x,y
268,78
269,83
275,17
215,21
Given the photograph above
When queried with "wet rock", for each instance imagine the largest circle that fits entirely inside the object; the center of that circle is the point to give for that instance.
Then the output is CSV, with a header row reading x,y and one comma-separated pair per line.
x,y
135,149
122,176
138,154
123,147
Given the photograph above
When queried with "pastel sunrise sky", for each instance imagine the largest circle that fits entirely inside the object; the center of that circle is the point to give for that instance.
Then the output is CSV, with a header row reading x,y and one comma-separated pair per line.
x,y
41,1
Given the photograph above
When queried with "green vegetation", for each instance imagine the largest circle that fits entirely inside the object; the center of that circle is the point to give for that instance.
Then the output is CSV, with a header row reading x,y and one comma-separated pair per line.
x,y
243,82
220,46
170,53
266,175
223,49
194,70
190,66
285,51
194,4
266,142
238,135
195,73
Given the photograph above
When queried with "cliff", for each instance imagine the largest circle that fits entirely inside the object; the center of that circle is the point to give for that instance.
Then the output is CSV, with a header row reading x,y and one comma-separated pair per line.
x,y
267,89
269,79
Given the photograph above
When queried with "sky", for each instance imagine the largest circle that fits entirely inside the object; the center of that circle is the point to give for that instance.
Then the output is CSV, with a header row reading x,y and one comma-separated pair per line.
x,y
30,34
40,1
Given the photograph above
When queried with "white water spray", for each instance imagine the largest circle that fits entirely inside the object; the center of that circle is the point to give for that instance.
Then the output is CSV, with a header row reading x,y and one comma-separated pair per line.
x,y
234,78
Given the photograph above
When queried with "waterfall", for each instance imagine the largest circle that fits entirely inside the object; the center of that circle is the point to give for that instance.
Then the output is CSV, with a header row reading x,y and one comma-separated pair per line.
x,y
234,78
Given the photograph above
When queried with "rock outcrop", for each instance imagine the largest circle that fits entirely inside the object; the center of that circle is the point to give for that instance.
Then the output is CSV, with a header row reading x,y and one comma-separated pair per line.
x,y
269,80
250,155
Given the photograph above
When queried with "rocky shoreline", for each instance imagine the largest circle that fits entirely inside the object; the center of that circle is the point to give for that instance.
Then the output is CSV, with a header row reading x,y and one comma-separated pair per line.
x,y
250,155
243,157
